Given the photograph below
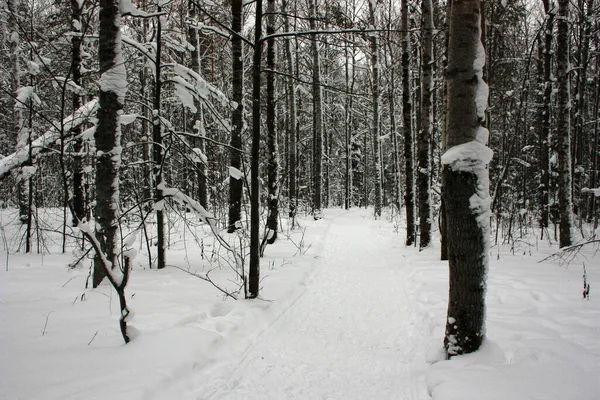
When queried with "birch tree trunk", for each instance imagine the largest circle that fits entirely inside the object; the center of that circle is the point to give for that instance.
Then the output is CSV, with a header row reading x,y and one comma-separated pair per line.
x,y
563,124
467,185
423,176
236,188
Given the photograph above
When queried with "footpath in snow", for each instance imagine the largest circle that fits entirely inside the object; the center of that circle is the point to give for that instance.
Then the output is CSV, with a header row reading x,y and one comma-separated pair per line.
x,y
350,336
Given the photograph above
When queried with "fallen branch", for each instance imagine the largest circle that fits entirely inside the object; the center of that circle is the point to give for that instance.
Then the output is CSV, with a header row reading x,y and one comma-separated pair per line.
x,y
567,254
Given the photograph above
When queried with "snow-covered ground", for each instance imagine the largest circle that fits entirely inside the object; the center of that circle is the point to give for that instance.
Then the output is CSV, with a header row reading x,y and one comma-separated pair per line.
x,y
349,313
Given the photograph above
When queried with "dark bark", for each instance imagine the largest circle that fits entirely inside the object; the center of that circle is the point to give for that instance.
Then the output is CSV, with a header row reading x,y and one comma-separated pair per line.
x,y
291,128
254,268
108,138
317,115
236,188
157,151
78,200
409,194
272,148
465,183
423,179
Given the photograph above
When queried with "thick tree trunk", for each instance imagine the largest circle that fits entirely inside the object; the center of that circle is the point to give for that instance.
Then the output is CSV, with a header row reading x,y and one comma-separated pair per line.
x,y
113,87
236,187
409,194
563,124
466,177
423,178
272,148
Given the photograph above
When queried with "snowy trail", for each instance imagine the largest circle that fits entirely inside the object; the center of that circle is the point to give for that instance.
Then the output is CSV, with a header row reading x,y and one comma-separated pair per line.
x,y
350,336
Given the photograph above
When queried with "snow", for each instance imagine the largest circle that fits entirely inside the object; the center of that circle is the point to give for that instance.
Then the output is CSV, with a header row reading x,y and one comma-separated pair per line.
x,y
346,312
83,114
235,173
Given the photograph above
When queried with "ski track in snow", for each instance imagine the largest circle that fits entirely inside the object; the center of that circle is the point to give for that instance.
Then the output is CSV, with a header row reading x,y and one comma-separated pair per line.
x,y
347,337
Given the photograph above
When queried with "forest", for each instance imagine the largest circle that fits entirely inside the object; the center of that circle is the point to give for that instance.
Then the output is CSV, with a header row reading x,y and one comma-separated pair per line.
x,y
468,125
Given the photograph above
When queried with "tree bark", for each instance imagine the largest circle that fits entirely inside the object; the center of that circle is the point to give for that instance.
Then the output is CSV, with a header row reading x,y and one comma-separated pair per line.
x,y
563,124
236,188
291,128
375,121
467,187
272,148
423,178
409,195
254,268
545,120
317,115
157,151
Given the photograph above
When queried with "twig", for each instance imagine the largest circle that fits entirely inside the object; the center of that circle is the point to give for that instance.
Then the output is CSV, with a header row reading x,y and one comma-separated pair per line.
x,y
93,337
65,284
205,278
46,324
567,254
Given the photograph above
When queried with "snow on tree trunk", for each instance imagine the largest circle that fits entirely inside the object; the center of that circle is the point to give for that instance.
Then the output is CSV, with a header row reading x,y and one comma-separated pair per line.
x,y
425,133
20,132
197,120
317,96
272,149
375,111
113,87
467,185
236,188
564,125
409,196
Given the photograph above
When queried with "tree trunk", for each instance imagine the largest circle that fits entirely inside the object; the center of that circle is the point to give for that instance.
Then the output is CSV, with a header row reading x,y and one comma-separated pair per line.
x,y
563,125
78,200
467,187
423,179
236,188
157,151
545,121
375,113
254,270
272,148
113,87
291,129
317,115
409,195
